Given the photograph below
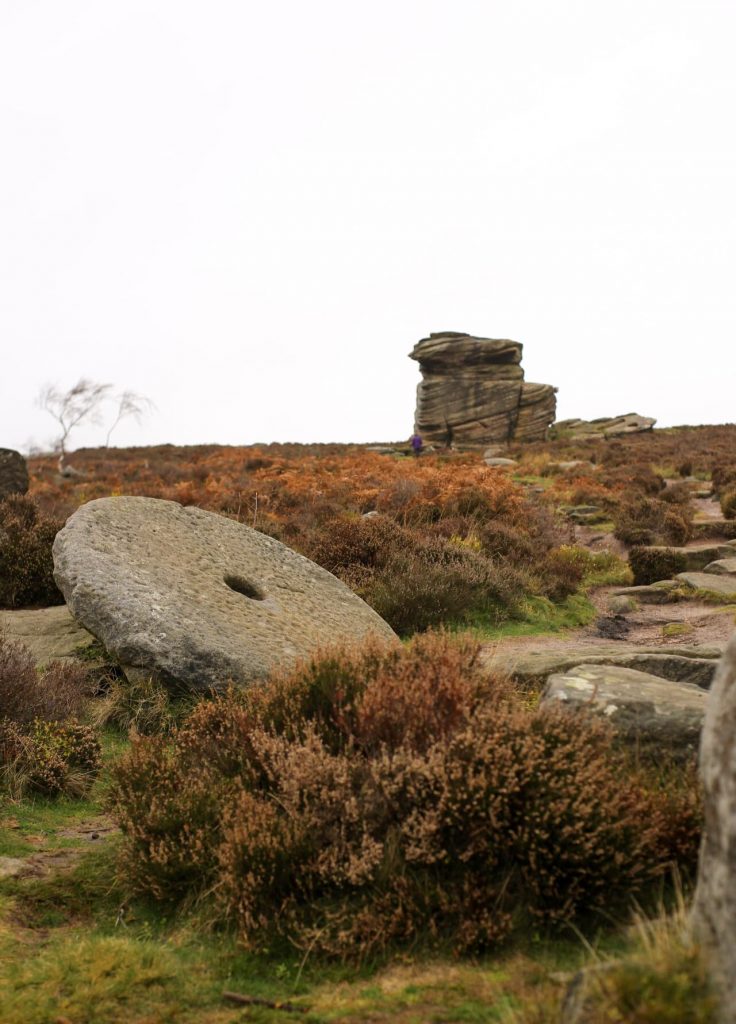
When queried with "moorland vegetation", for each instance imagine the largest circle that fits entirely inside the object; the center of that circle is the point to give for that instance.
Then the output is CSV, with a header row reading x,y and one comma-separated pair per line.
x,y
366,807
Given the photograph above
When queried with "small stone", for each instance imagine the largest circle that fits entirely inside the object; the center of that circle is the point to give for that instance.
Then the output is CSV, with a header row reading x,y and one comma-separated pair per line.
x,y
499,462
620,605
673,629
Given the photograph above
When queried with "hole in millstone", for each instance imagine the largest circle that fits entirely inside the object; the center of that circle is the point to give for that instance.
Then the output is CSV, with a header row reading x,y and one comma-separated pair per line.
x,y
243,586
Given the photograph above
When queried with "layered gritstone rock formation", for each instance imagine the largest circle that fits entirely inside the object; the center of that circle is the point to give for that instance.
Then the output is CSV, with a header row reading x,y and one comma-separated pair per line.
x,y
473,392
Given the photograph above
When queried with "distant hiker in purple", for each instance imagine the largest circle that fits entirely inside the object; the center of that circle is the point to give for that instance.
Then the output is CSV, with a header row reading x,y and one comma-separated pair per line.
x,y
416,444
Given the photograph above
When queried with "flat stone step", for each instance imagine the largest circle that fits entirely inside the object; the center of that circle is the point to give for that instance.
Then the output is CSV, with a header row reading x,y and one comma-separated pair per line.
x,y
50,634
695,663
723,588
722,567
662,592
654,714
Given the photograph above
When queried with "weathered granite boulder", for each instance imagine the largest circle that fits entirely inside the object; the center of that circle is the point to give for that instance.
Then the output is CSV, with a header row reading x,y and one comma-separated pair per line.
x,y
191,596
473,392
714,907
658,715
50,634
13,473
606,426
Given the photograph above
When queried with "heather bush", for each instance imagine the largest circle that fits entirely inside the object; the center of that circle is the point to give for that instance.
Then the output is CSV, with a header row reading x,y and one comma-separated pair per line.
x,y
26,565
383,796
649,565
723,476
57,693
651,521
415,581
728,503
49,758
43,748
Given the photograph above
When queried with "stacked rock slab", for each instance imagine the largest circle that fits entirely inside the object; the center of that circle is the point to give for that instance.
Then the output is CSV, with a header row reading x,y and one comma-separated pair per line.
x,y
473,392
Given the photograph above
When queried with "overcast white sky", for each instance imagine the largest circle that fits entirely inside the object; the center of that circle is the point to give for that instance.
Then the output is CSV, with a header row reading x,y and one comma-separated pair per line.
x,y
250,211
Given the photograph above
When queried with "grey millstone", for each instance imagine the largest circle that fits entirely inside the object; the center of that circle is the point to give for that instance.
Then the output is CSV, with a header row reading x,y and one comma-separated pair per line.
x,y
714,908
50,634
191,596
719,587
722,567
656,714
13,473
497,461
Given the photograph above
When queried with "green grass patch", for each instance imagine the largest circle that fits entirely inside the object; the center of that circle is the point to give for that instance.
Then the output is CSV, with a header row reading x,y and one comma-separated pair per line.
x,y
538,615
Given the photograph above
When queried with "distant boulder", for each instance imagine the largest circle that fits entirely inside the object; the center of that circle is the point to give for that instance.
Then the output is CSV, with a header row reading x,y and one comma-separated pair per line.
x,y
595,430
13,473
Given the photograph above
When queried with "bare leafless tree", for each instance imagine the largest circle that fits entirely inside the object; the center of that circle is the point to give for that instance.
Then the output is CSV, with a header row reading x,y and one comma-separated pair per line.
x,y
70,408
129,404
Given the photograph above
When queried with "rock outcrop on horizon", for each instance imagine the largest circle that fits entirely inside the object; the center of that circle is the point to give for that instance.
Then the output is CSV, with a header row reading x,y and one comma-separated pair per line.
x,y
473,392
604,427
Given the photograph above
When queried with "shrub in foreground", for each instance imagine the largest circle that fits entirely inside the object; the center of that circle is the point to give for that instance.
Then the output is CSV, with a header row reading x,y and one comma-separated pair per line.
x,y
378,797
43,748
49,758
26,565
57,693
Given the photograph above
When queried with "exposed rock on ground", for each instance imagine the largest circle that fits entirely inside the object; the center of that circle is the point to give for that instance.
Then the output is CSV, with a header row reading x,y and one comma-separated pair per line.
x,y
13,473
50,634
714,913
191,596
654,713
694,664
722,588
615,426
473,392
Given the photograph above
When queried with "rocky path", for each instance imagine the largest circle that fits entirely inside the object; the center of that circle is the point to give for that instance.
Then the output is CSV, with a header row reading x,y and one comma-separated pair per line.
x,y
647,660
47,857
